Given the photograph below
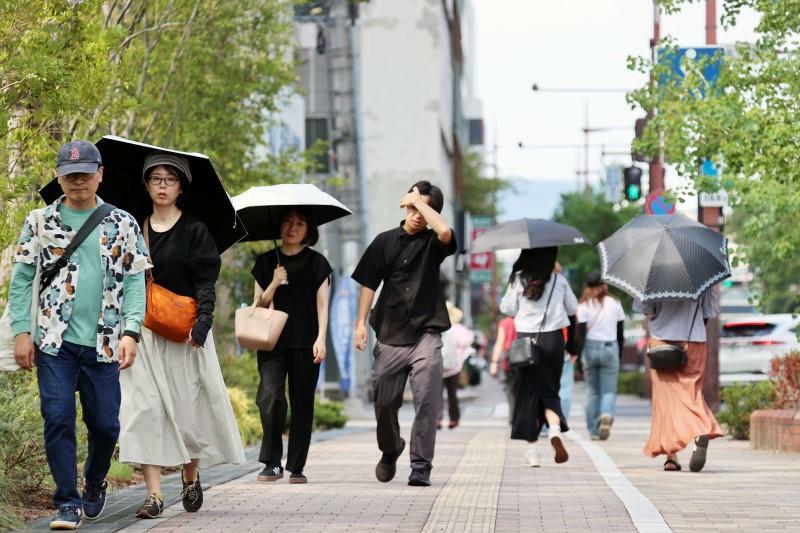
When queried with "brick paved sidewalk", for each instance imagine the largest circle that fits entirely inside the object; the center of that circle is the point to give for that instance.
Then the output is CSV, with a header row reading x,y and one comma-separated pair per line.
x,y
481,483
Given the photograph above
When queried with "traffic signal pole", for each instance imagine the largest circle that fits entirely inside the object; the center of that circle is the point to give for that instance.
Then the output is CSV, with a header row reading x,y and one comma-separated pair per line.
x,y
657,162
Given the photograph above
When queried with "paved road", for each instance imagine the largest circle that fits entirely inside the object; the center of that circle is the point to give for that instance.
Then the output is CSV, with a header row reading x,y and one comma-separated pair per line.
x,y
481,483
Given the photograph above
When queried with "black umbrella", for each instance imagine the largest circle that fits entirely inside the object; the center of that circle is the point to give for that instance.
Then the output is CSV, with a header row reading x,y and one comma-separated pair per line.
x,y
664,257
527,233
122,186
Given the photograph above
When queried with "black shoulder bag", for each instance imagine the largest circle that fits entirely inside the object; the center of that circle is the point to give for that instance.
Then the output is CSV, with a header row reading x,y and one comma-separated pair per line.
x,y
49,274
671,356
525,351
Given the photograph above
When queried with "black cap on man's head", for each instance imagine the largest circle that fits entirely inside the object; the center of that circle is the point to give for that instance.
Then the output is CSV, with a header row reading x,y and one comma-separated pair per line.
x,y
78,157
594,279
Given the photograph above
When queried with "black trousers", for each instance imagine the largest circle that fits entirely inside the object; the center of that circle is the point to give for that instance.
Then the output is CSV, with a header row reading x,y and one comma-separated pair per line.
x,y
273,368
536,389
451,386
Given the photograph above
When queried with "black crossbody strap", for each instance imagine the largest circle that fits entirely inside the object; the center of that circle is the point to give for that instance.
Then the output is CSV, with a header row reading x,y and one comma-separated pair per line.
x,y
689,339
546,307
49,274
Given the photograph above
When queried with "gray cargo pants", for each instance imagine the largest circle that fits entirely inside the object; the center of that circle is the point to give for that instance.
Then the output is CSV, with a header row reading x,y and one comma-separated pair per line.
x,y
390,370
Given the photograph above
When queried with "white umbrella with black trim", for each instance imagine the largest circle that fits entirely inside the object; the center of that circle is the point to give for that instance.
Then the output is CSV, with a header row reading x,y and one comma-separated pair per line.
x,y
261,208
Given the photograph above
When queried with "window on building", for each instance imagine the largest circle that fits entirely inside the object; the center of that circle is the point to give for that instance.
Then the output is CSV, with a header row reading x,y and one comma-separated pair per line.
x,y
317,130
475,131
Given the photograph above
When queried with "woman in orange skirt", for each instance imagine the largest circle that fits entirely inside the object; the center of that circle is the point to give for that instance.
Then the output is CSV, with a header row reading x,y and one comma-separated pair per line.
x,y
680,413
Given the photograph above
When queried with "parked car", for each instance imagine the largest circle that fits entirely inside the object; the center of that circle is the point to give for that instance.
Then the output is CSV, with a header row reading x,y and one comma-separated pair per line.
x,y
748,344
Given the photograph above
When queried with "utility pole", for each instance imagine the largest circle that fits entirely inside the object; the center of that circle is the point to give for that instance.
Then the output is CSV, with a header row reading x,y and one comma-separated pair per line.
x,y
657,163
711,217
495,273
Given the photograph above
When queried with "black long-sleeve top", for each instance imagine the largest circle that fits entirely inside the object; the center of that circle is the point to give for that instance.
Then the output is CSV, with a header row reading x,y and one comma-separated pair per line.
x,y
186,261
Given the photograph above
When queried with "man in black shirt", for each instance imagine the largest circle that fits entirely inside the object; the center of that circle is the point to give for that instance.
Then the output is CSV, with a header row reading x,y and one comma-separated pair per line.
x,y
408,320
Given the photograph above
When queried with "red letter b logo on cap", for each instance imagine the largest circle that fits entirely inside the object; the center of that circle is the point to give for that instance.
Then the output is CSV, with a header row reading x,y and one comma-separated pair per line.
x,y
74,153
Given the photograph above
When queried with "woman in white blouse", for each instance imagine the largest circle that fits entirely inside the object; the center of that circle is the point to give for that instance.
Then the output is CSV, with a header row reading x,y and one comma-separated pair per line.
x,y
600,321
542,304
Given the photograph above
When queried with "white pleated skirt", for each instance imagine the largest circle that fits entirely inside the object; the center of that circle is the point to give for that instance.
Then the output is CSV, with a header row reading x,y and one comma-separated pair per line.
x,y
175,406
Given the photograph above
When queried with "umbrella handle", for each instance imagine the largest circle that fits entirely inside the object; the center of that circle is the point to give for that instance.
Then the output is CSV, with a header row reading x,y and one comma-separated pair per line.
x,y
278,257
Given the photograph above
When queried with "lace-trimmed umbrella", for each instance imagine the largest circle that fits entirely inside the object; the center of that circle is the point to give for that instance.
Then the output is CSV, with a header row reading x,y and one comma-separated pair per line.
x,y
664,257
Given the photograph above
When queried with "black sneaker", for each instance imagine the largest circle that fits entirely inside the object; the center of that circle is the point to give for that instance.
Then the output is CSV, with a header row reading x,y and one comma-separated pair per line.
x,y
271,473
387,466
66,517
419,478
94,499
297,478
192,495
152,507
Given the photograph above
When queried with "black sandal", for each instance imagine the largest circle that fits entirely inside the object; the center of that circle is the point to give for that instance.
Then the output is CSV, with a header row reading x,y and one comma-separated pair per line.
x,y
676,467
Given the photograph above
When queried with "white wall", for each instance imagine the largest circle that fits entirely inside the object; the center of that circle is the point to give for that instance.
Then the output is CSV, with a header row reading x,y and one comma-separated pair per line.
x,y
405,48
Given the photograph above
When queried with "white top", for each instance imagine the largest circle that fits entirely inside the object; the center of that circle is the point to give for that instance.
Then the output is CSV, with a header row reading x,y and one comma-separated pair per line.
x,y
528,314
601,319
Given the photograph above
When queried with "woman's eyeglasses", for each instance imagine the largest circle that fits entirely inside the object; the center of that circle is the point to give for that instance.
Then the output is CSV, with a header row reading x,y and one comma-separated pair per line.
x,y
169,181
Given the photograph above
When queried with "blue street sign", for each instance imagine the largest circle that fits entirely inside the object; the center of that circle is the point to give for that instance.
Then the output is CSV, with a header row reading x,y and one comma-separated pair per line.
x,y
672,58
709,168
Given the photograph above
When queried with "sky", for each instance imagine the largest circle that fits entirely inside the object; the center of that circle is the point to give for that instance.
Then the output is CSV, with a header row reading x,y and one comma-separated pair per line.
x,y
569,44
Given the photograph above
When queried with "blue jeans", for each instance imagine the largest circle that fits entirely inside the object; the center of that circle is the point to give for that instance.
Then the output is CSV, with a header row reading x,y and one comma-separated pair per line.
x,y
567,381
76,368
601,366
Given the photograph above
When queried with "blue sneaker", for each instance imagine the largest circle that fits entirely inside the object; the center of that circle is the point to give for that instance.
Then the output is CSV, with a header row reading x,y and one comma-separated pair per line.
x,y
94,499
66,517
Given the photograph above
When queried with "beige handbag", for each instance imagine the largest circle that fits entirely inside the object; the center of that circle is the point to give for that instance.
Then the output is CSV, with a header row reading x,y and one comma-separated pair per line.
x,y
259,328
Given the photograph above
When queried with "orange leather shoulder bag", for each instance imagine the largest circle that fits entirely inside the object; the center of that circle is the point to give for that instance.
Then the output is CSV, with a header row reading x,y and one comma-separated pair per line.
x,y
170,315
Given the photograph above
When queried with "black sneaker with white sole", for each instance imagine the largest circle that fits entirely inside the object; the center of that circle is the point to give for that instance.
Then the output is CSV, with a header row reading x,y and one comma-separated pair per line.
x,y
94,499
271,473
192,495
66,518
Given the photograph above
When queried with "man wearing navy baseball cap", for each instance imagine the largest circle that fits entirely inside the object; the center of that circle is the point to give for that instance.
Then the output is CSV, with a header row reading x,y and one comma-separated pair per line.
x,y
85,330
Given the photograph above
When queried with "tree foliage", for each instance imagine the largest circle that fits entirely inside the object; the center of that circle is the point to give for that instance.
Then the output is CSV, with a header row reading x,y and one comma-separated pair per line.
x,y
597,219
480,190
198,75
746,122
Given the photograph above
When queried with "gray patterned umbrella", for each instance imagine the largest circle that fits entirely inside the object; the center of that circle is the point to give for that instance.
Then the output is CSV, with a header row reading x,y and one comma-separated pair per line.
x,y
527,233
663,257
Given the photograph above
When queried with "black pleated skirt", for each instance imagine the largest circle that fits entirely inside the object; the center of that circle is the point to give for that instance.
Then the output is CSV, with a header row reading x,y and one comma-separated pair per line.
x,y
536,389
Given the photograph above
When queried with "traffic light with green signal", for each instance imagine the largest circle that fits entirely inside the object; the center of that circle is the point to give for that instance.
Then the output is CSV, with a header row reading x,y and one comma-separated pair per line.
x,y
632,179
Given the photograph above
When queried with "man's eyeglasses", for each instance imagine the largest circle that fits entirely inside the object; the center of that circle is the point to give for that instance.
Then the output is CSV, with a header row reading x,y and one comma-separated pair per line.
x,y
169,181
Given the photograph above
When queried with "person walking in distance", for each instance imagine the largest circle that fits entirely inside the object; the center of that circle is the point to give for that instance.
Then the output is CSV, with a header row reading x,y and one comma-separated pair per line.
x,y
177,385
88,324
456,343
296,279
680,413
601,338
506,333
408,319
542,304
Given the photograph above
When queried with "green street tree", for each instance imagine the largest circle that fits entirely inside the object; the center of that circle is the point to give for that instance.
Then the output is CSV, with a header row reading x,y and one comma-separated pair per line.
x,y
597,219
746,121
197,75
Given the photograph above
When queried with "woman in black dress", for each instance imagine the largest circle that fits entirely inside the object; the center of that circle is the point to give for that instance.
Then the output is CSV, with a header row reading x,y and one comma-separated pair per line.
x,y
296,279
542,304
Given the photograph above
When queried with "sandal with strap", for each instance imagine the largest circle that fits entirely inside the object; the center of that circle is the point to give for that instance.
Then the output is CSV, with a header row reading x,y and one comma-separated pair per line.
x,y
671,466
